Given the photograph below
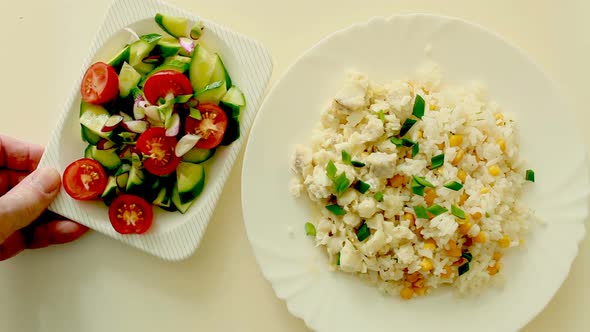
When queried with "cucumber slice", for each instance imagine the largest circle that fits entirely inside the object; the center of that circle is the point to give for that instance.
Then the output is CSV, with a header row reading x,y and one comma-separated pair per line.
x,y
197,30
168,46
88,135
181,206
93,117
220,73
177,58
107,158
190,180
135,180
176,63
110,191
122,180
163,198
128,79
211,93
173,25
234,97
122,56
88,151
142,48
144,68
201,68
197,156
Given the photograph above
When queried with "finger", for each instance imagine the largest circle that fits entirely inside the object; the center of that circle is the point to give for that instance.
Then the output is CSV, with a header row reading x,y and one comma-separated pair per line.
x,y
14,244
24,203
19,155
55,232
9,179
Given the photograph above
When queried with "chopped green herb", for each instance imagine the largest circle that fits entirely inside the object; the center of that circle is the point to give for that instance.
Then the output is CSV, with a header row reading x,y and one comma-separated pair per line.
x,y
408,142
421,212
309,229
415,149
346,157
357,163
436,209
336,209
406,126
379,196
361,186
396,140
416,187
453,185
530,175
341,183
419,104
468,256
363,232
382,115
463,269
437,161
331,170
338,259
457,212
195,114
422,181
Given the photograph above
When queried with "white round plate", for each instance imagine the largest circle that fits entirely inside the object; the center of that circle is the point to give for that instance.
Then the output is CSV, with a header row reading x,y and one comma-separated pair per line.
x,y
388,49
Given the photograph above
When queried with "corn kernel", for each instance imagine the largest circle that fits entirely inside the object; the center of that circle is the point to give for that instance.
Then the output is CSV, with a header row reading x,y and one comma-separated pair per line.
x,y
476,216
497,256
410,217
432,107
397,180
447,273
485,190
463,198
426,264
456,140
429,196
420,291
453,250
420,134
464,228
499,116
501,144
430,244
406,293
504,242
480,238
494,170
413,277
441,146
458,157
492,270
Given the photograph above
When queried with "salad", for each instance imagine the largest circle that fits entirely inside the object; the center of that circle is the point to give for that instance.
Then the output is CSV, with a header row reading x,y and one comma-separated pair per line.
x,y
152,116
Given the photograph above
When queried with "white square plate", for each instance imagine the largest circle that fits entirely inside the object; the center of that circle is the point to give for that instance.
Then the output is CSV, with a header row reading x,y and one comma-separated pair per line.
x,y
173,236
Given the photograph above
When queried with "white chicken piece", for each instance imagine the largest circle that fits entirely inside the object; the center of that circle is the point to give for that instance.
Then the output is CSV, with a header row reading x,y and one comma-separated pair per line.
x,y
353,96
381,164
350,258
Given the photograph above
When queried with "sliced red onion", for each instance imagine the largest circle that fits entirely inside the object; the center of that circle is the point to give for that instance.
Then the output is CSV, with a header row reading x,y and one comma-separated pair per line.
x,y
138,111
126,152
152,59
111,123
104,144
186,143
187,44
173,125
136,126
125,116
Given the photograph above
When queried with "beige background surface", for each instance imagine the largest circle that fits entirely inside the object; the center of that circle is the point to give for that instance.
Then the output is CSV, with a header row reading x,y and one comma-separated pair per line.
x,y
98,284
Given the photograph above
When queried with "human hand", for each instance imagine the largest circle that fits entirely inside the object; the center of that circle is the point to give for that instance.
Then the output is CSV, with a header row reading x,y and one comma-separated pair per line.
x,y
25,194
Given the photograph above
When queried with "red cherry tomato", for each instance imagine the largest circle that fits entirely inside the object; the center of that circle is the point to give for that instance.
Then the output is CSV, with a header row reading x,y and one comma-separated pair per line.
x,y
159,150
164,82
84,179
211,127
131,214
100,84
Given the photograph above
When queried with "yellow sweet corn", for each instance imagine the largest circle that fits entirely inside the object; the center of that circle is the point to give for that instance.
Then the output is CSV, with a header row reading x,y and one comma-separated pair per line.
x,y
456,140
426,264
494,170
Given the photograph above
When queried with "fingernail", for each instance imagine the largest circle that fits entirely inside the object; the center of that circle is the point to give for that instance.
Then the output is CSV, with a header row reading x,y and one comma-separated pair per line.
x,y
46,180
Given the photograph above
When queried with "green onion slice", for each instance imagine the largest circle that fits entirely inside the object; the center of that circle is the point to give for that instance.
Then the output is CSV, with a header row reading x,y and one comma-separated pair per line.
x,y
421,212
382,115
437,161
457,212
468,256
422,181
463,269
454,185
378,196
530,175
338,259
336,209
396,140
361,186
419,104
406,126
436,209
309,229
363,232
357,163
415,149
345,157
408,142
331,170
341,183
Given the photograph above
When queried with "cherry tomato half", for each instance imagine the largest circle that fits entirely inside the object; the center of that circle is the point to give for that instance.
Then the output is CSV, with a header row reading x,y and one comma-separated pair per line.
x,y
211,127
164,82
130,214
100,84
159,150
84,179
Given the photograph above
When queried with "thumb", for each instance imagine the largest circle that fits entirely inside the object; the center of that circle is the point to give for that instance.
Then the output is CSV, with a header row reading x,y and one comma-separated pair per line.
x,y
26,201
